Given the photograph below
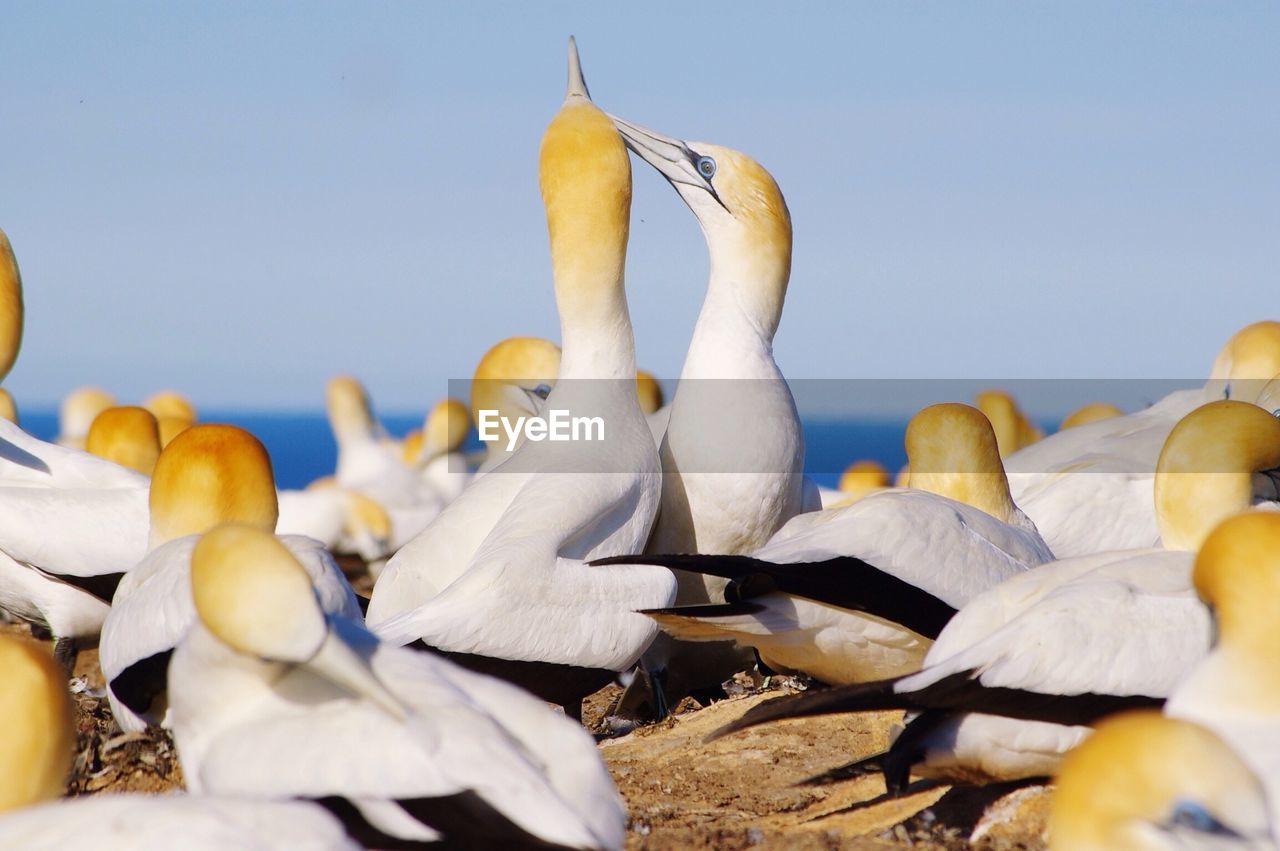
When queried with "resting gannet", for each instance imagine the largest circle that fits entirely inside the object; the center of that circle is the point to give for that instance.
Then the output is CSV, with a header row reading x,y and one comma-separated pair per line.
x,y
1013,428
508,379
343,521
127,436
77,412
499,580
11,310
170,403
439,457
37,741
1235,690
273,697
1090,413
1017,677
858,593
1088,488
209,474
858,479
1145,782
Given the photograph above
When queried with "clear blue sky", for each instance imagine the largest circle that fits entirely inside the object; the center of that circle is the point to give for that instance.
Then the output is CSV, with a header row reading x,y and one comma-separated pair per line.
x,y
242,199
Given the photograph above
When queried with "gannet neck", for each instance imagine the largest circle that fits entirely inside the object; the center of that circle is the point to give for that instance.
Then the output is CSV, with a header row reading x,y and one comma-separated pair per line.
x,y
1135,771
349,410
585,178
1237,573
11,311
36,725
209,475
128,436
1246,362
1205,471
952,451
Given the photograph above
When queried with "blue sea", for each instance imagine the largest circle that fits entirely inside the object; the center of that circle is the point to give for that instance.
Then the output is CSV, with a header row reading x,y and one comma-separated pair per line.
x,y
302,447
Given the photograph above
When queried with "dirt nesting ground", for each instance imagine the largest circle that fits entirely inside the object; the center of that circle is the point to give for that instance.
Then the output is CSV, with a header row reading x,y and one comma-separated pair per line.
x,y
738,792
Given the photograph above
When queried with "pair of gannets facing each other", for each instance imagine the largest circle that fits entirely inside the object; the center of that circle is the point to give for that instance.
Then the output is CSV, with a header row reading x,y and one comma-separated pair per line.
x,y
858,593
273,697
1143,782
37,742
210,474
1019,674
1088,488
500,580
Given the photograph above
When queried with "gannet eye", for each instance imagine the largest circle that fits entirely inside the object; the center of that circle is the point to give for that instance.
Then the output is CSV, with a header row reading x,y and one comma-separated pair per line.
x,y
706,167
542,391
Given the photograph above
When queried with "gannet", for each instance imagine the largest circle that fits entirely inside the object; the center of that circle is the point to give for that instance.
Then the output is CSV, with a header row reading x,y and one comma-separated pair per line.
x,y
11,309
73,524
127,436
170,403
37,741
77,412
856,481
273,697
210,474
171,427
1013,428
439,457
8,407
1088,488
343,521
510,376
1090,413
499,579
858,593
1017,677
1143,782
1235,690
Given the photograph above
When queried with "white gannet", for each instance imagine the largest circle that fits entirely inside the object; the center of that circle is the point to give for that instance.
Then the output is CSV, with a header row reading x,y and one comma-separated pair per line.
x,y
343,521
1144,782
438,456
77,412
1017,677
499,580
37,741
512,379
127,436
210,474
272,697
858,593
1235,690
1088,488
73,524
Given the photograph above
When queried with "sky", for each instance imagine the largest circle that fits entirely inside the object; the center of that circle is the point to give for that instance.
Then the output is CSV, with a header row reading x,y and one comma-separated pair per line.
x,y
240,200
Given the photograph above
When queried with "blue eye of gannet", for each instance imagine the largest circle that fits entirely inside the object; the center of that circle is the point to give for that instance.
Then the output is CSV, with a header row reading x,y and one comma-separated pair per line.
x,y
706,167
542,391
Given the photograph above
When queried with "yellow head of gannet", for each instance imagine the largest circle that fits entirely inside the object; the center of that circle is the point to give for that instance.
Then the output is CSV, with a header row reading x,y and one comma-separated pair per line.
x,y
445,428
36,724
1246,362
211,474
11,311
170,403
1141,769
348,407
171,427
585,178
527,363
1237,573
366,518
1090,413
126,435
1205,471
739,207
952,451
649,391
77,412
8,407
1012,427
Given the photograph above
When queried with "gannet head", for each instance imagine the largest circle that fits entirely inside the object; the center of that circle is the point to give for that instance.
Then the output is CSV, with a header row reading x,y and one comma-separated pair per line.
x,y
585,179
253,595
1005,418
1237,574
8,407
367,523
863,475
171,427
348,406
37,724
1206,468
1090,413
77,412
170,403
952,451
649,391
128,436
211,474
1140,771
445,427
526,364
11,312
1246,362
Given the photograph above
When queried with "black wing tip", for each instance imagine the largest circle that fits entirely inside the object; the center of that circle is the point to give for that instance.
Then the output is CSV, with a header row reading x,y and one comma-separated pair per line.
x,y
709,610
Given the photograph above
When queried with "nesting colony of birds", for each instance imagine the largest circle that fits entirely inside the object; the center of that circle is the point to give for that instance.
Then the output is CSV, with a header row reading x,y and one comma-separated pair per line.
x,y
400,654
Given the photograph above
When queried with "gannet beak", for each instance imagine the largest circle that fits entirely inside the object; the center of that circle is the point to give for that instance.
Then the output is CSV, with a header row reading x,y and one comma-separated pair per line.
x,y
577,86
673,158
344,666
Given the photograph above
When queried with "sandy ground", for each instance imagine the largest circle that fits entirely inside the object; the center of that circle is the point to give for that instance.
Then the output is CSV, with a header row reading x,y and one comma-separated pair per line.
x,y
741,791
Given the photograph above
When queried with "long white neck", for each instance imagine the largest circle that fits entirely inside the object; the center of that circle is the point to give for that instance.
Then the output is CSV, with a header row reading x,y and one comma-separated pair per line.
x,y
595,335
733,337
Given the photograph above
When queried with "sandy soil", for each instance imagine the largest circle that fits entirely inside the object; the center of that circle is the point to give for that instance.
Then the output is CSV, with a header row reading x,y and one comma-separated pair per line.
x,y
741,791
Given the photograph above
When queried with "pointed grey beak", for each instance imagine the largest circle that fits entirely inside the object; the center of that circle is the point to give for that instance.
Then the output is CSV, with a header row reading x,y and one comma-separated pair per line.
x,y
577,84
342,665
670,156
